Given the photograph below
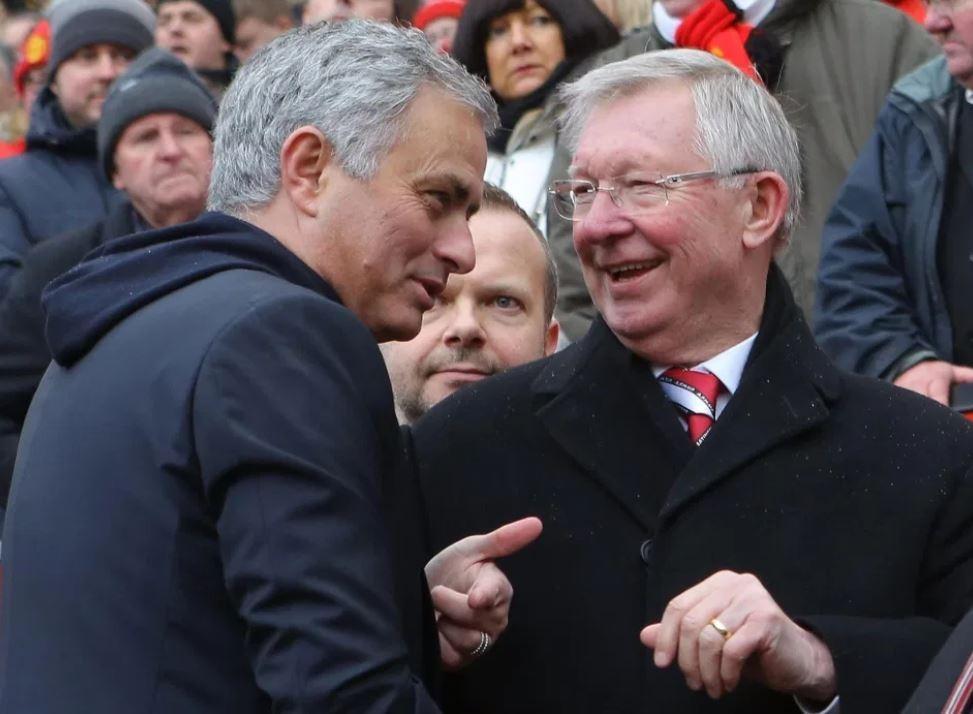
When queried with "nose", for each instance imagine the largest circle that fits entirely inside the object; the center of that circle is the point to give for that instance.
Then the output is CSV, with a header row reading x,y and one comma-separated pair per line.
x,y
454,246
107,66
169,147
464,328
520,36
603,221
936,21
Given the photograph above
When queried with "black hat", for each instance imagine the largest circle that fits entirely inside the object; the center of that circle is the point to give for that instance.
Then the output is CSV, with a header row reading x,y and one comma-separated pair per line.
x,y
222,10
78,23
155,82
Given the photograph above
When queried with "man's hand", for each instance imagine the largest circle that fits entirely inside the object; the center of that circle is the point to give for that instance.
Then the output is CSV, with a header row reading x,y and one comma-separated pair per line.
x,y
934,378
470,593
761,641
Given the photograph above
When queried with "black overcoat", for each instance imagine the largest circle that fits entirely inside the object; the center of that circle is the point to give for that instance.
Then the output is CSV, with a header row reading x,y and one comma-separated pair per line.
x,y
851,500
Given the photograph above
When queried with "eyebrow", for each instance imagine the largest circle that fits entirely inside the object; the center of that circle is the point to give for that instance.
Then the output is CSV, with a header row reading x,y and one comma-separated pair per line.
x,y
459,191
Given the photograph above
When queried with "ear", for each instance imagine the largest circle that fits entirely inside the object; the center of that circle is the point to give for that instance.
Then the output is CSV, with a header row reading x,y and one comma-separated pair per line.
x,y
117,182
551,337
304,158
769,198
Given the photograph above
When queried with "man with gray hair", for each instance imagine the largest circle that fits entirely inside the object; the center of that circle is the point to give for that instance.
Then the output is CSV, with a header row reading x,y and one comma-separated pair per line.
x,y
785,530
196,522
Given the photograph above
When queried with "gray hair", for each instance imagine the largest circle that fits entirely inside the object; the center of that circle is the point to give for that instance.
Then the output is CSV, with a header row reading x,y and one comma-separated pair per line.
x,y
739,124
353,81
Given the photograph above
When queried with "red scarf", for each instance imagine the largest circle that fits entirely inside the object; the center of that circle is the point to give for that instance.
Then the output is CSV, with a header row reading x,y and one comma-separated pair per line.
x,y
717,29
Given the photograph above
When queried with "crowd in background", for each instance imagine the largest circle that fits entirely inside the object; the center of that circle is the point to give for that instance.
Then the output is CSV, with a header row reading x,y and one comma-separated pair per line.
x,y
107,109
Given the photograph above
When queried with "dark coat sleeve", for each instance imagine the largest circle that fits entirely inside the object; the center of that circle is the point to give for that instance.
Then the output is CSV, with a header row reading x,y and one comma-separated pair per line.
x,y
288,422
864,317
879,661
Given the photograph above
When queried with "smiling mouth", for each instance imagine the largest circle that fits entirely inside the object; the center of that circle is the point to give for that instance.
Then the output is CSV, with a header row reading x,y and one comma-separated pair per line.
x,y
632,271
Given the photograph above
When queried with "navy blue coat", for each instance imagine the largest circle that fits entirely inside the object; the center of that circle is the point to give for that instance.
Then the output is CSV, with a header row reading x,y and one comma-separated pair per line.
x,y
195,523
55,187
880,306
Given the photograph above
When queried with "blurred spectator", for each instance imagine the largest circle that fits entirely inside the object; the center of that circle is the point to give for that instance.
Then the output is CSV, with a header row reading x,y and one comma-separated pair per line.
x,y
524,50
258,22
13,122
626,15
16,26
498,316
202,34
439,20
326,11
895,291
56,184
154,145
30,73
833,67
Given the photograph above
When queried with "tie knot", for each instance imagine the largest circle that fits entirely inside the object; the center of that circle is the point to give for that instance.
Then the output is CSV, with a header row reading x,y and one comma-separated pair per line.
x,y
704,385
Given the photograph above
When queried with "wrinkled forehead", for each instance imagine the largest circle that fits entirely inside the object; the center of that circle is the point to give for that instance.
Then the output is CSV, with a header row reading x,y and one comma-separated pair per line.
x,y
652,128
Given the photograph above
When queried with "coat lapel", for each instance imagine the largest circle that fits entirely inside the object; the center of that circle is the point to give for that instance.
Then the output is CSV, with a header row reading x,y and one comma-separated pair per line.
x,y
785,391
604,408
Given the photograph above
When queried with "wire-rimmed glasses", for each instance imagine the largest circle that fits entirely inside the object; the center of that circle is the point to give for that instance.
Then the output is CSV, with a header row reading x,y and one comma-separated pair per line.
x,y
634,194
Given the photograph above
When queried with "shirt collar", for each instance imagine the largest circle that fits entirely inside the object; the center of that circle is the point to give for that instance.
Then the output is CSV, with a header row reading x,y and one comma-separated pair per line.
x,y
969,96
754,12
727,366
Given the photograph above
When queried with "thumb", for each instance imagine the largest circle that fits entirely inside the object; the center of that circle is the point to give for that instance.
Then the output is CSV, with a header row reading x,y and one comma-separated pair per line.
x,y
507,539
649,635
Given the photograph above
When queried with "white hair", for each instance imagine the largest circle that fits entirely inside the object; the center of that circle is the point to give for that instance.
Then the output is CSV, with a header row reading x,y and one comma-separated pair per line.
x,y
353,81
739,124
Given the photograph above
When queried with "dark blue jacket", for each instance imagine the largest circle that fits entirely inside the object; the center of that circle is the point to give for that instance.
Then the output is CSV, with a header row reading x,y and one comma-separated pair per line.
x,y
195,523
880,307
55,187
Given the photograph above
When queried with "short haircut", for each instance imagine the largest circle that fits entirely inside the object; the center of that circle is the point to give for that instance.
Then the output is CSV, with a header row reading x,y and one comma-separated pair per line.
x,y
739,124
496,199
354,81
264,10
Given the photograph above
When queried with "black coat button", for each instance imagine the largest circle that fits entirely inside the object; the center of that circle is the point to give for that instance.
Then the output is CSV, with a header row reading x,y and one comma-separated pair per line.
x,y
646,551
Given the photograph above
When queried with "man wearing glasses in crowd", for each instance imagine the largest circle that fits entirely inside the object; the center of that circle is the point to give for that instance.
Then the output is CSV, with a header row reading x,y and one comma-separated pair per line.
x,y
783,532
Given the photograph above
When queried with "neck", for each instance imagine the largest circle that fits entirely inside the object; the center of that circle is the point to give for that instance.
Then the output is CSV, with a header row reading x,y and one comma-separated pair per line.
x,y
692,341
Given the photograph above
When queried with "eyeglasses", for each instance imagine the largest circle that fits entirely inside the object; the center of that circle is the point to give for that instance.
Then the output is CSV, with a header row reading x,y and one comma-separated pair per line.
x,y
633,194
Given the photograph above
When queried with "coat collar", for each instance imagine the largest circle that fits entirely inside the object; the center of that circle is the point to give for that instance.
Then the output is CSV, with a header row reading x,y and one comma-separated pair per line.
x,y
603,406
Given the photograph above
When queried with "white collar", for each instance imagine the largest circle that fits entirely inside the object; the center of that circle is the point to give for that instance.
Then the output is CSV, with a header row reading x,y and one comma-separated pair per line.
x,y
969,96
727,366
754,12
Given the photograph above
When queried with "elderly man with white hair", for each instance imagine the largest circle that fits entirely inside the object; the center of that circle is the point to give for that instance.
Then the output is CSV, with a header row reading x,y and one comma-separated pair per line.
x,y
784,530
196,522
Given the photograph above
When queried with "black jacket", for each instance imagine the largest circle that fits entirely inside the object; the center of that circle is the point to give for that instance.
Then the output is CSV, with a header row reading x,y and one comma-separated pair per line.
x,y
850,499
55,187
195,522
24,354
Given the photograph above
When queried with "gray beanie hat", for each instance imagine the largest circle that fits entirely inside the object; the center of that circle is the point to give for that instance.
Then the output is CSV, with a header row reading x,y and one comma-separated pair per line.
x,y
155,82
78,23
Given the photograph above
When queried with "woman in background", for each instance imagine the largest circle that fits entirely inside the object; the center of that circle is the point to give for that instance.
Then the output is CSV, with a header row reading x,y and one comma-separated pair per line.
x,y
524,49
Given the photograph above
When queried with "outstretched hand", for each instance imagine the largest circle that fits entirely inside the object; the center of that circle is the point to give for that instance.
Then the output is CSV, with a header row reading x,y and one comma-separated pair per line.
x,y
470,593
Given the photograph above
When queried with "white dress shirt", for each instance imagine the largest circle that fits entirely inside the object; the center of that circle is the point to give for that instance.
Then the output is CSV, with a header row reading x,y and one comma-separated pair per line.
x,y
727,367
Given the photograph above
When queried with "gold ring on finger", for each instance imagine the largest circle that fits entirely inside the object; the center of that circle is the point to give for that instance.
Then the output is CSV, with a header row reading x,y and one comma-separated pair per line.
x,y
724,631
